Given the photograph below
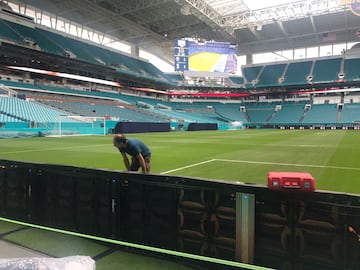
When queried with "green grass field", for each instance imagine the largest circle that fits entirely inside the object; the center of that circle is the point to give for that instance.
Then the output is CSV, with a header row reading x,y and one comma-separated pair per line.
x,y
331,156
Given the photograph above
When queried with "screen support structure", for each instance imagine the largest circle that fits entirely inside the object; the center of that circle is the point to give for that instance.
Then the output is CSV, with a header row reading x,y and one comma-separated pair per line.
x,y
245,227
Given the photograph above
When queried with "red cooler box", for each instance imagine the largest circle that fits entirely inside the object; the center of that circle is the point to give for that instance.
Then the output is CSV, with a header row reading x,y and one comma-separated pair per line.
x,y
291,180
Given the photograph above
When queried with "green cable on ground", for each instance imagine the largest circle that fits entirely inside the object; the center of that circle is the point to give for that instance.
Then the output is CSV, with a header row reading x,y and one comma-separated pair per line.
x,y
148,248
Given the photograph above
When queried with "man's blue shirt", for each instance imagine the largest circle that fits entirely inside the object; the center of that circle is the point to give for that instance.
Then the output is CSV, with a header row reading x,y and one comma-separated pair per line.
x,y
135,147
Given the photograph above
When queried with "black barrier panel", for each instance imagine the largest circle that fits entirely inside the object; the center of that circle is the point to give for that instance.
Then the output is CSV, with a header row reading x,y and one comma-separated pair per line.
x,y
93,205
304,231
352,239
58,199
293,230
140,127
73,199
2,188
207,224
39,208
223,230
273,238
202,126
194,221
146,213
14,190
319,229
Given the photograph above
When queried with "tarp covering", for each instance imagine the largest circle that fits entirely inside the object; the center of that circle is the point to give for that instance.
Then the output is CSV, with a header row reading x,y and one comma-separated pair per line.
x,y
39,263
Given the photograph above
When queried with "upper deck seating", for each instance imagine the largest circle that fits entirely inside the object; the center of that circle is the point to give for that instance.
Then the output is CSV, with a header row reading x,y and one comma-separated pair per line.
x,y
297,73
237,80
271,74
7,33
34,38
251,73
352,69
326,70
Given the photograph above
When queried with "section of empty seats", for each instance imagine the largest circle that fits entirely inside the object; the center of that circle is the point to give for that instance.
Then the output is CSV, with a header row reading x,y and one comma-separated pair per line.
x,y
72,48
288,113
230,111
6,118
18,85
271,75
176,78
185,116
321,114
27,110
128,113
61,44
81,50
33,38
259,113
7,33
297,73
148,69
3,91
351,69
191,112
237,80
138,66
326,70
251,74
350,113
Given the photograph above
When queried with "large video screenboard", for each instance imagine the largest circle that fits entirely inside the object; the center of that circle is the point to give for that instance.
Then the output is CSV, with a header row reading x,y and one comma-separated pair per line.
x,y
208,56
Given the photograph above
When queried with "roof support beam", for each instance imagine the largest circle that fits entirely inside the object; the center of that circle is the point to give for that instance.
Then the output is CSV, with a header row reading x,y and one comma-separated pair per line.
x,y
266,16
313,23
208,15
283,30
136,5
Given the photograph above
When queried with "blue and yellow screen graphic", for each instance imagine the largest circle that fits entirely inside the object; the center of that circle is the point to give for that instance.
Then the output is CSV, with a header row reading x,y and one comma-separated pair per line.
x,y
208,56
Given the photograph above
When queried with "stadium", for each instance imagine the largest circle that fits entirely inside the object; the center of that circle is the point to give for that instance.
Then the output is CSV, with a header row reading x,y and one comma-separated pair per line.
x,y
251,110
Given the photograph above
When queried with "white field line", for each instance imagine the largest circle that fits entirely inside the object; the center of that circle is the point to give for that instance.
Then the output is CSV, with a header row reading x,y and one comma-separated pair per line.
x,y
189,166
261,162
50,149
288,164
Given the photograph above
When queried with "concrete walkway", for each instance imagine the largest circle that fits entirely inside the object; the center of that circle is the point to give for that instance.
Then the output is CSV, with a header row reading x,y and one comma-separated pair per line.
x,y
9,250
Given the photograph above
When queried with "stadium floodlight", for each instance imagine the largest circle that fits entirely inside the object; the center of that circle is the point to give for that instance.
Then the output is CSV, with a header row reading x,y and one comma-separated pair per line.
x,y
81,125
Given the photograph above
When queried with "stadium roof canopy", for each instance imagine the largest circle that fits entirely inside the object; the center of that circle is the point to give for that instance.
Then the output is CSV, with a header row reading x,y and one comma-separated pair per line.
x,y
155,24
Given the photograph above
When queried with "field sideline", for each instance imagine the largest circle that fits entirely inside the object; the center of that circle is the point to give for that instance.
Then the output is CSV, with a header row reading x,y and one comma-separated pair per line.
x,y
331,156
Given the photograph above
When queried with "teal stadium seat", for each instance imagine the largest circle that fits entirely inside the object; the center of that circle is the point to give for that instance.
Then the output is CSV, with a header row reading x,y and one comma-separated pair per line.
x,y
326,70
7,33
176,79
297,73
30,111
350,113
321,114
238,80
351,69
260,113
42,41
289,113
251,73
59,44
270,75
230,111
